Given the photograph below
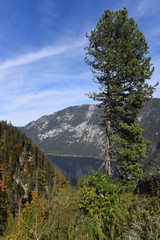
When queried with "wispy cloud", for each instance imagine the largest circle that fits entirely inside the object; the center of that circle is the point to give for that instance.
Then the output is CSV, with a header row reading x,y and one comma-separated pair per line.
x,y
43,80
154,30
40,103
147,7
47,11
42,53
35,88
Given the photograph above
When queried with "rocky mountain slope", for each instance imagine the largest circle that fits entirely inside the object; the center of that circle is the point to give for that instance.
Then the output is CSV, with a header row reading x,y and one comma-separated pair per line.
x,y
75,131
149,119
72,131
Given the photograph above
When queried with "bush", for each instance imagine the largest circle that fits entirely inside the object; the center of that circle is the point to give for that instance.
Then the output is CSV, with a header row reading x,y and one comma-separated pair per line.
x,y
145,222
107,202
150,185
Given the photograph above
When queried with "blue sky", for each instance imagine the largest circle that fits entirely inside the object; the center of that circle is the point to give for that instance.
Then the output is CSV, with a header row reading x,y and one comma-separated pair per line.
x,y
42,68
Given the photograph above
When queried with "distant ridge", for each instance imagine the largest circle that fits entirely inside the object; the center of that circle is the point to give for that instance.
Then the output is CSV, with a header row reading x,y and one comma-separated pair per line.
x,y
75,131
71,131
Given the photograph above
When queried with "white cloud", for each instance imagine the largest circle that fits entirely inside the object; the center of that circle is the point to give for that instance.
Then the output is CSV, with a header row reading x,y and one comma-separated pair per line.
x,y
25,108
42,53
147,7
31,88
47,11
154,30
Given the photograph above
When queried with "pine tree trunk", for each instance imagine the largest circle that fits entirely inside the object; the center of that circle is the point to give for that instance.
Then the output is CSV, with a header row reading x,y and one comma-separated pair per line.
x,y
19,207
108,157
108,127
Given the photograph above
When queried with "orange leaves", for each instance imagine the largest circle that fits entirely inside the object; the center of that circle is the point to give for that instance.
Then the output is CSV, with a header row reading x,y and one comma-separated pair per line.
x,y
3,188
79,190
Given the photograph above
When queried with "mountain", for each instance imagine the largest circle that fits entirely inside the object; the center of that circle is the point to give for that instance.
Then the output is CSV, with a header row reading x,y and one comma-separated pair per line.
x,y
72,131
75,131
149,120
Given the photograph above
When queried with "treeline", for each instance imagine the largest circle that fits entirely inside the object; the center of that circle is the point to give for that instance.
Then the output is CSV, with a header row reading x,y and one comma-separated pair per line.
x,y
23,169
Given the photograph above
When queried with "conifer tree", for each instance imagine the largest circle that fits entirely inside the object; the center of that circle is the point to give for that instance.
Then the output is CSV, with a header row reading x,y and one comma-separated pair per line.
x,y
3,206
117,56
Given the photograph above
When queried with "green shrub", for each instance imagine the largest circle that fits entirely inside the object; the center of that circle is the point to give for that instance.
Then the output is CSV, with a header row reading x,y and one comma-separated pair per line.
x,y
64,219
107,202
145,222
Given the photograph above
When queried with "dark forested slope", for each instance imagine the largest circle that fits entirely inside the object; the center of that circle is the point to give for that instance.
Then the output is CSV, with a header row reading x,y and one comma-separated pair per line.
x,y
23,169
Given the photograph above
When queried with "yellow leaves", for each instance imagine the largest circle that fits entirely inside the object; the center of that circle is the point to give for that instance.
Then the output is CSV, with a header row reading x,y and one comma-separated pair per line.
x,y
9,179
26,172
20,221
59,180
31,217
34,197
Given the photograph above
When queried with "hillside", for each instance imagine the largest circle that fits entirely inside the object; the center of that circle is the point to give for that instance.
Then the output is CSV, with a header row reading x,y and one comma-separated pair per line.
x,y
75,131
149,119
23,169
72,131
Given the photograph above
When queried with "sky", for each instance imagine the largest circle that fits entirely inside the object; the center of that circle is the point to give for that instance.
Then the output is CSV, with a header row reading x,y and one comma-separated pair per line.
x,y
42,67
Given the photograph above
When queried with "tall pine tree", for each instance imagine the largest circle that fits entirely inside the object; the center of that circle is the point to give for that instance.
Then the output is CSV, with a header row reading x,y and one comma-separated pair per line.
x,y
117,56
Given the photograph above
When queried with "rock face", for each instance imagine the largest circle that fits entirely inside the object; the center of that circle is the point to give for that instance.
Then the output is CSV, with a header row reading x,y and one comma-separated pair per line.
x,y
73,131
149,120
